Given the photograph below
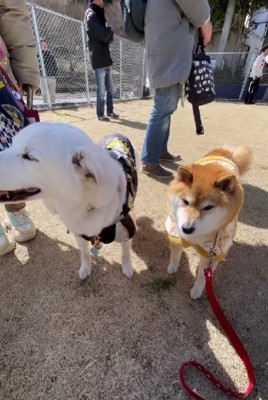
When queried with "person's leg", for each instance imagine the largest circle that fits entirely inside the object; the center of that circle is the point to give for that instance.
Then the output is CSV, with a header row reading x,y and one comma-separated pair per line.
x,y
43,90
249,91
14,207
157,134
110,90
18,220
100,82
51,82
110,93
255,87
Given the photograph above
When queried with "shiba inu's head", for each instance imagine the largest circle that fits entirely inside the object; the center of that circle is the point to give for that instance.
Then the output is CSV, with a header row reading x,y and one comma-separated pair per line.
x,y
207,195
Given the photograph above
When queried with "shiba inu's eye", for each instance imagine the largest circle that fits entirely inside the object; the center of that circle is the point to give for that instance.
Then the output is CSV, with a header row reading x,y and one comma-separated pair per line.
x,y
185,202
29,157
208,207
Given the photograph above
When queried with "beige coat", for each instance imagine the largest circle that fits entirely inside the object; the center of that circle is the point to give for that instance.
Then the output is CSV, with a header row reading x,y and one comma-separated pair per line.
x,y
17,43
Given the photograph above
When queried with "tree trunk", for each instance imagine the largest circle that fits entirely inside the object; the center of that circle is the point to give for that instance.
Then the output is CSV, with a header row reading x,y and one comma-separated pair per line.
x,y
226,31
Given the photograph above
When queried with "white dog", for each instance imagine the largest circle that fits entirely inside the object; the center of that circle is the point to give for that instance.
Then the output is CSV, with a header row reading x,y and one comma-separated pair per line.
x,y
91,187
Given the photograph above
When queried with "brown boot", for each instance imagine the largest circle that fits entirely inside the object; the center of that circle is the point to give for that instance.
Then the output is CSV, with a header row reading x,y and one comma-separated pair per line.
x,y
156,171
169,157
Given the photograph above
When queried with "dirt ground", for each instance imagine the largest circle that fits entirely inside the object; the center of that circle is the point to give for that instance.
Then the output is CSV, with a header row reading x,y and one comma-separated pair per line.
x,y
111,338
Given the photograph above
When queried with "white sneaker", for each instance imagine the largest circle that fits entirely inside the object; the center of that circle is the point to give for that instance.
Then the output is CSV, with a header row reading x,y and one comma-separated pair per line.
x,y
21,225
6,245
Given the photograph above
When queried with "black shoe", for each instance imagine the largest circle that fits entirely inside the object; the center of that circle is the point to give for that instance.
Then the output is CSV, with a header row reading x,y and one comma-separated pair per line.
x,y
103,118
169,157
156,171
113,115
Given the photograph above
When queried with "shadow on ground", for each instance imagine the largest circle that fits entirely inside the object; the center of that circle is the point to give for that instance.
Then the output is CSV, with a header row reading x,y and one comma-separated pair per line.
x,y
255,199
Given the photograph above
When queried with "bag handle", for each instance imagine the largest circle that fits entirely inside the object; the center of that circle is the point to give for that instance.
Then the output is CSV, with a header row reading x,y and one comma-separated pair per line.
x,y
200,48
29,94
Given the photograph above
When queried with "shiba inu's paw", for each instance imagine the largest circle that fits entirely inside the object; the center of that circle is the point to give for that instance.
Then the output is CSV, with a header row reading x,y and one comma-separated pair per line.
x,y
196,292
172,269
84,272
127,270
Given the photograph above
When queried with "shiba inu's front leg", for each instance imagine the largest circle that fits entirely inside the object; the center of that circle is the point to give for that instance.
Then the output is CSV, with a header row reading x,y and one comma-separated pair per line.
x,y
85,269
175,256
127,267
200,282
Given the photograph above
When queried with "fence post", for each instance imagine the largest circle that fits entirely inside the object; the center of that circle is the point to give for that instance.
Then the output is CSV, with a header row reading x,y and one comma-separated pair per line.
x,y
246,77
41,59
85,61
144,74
121,69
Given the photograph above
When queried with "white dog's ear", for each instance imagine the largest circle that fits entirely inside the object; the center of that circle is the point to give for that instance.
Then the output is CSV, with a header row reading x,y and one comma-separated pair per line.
x,y
80,165
226,183
185,175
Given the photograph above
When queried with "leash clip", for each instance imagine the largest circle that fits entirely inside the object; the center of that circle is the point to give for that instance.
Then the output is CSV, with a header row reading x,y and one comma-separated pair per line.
x,y
212,254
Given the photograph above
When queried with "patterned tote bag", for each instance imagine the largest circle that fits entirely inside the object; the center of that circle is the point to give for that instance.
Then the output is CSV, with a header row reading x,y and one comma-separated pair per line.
x,y
200,87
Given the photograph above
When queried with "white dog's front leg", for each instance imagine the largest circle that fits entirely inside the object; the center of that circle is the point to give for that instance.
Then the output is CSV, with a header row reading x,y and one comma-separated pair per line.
x,y
127,267
123,238
85,269
200,282
175,256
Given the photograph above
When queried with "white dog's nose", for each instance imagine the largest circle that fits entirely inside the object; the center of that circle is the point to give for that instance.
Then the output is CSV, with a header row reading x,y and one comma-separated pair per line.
x,y
188,229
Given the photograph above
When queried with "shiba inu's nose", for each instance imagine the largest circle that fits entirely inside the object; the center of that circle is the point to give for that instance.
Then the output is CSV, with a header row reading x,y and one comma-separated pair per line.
x,y
188,229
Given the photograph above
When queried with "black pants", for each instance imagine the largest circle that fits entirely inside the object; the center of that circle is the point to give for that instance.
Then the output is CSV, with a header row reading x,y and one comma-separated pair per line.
x,y
252,89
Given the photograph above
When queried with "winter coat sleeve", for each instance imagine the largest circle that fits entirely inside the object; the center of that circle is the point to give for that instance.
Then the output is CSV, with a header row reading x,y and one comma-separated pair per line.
x,y
98,31
16,31
196,11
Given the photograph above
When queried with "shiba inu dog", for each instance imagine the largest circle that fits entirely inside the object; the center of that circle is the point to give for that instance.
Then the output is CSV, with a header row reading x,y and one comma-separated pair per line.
x,y
205,200
90,186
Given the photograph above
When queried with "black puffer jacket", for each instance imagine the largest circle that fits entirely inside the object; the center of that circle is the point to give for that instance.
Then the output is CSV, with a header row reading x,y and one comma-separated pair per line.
x,y
100,35
50,64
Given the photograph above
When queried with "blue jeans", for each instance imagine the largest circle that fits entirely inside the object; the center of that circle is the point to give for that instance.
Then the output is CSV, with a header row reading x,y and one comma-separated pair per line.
x,y
157,134
104,81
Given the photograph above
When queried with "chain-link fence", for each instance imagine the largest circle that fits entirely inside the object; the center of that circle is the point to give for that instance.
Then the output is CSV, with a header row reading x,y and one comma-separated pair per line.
x,y
63,66
67,78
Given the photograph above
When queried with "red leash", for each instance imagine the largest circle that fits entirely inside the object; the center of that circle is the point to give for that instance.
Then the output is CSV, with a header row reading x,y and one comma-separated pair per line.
x,y
236,343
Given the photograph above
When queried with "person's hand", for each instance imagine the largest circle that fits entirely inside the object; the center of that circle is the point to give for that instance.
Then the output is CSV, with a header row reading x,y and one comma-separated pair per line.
x,y
206,32
23,88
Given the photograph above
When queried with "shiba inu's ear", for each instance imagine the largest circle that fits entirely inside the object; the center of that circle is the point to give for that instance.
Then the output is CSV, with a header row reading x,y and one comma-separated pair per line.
x,y
80,165
226,183
185,175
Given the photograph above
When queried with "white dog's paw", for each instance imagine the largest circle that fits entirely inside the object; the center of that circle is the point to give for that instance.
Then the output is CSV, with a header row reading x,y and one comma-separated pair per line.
x,y
196,292
84,272
172,269
128,270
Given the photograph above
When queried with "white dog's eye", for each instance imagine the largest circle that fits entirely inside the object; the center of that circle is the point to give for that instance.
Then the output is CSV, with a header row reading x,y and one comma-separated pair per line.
x,y
185,202
29,157
208,207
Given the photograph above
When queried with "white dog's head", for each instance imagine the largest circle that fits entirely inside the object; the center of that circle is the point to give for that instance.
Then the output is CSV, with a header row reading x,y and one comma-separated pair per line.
x,y
60,164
